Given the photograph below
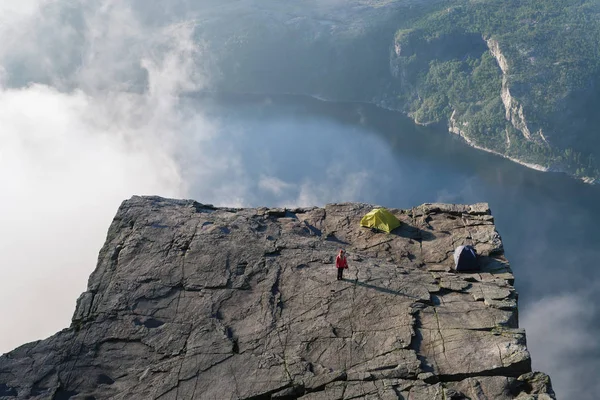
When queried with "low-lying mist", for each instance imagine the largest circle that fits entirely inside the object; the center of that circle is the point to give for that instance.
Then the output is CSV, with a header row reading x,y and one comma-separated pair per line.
x,y
94,108
77,137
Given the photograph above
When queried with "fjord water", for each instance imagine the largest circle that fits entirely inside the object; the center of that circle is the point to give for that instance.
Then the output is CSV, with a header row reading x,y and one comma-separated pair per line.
x,y
290,150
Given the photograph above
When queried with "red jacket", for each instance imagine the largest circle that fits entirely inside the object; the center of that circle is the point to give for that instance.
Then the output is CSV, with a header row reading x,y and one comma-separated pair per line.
x,y
341,262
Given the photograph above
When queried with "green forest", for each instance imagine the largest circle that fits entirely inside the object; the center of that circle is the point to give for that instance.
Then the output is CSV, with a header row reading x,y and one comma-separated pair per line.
x,y
444,69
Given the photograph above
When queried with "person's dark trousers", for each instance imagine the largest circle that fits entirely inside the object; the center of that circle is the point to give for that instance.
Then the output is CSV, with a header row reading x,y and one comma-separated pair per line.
x,y
340,273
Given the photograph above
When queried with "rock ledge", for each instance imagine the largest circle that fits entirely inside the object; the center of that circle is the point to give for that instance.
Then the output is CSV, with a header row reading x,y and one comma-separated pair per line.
x,y
190,301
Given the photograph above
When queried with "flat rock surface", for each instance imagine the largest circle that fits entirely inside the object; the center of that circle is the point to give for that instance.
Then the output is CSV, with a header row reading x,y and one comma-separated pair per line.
x,y
189,301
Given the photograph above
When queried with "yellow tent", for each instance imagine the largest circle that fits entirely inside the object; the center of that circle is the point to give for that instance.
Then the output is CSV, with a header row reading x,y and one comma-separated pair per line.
x,y
381,219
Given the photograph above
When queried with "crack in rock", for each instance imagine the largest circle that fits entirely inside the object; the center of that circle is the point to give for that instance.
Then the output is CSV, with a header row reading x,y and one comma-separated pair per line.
x,y
196,301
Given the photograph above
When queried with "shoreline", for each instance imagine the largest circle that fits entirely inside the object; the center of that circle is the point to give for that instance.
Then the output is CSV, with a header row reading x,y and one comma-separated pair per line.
x,y
586,179
469,142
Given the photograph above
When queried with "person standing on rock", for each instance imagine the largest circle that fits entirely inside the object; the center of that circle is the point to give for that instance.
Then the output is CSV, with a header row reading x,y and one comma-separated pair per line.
x,y
341,264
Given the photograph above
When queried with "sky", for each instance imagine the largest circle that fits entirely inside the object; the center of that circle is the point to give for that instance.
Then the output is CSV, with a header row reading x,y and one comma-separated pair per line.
x,y
93,110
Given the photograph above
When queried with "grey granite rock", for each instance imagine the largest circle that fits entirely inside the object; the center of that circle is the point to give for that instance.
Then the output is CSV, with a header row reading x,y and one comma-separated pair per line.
x,y
189,301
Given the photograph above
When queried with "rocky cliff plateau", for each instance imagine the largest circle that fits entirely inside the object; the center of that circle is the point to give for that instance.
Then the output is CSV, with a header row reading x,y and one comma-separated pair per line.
x,y
190,301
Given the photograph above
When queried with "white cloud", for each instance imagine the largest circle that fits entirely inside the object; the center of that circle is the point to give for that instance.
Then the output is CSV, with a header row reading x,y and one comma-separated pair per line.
x,y
274,185
78,142
338,185
559,336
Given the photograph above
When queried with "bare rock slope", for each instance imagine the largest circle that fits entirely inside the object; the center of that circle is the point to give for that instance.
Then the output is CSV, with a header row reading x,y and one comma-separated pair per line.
x,y
189,301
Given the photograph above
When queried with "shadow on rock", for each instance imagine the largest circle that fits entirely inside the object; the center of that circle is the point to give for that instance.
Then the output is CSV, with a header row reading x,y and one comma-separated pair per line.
x,y
332,238
412,232
377,288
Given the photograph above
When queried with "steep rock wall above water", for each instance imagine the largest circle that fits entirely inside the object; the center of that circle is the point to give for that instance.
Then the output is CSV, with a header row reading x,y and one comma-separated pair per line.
x,y
192,301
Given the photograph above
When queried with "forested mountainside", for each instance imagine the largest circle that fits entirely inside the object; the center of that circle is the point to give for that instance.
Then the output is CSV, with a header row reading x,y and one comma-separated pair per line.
x,y
520,78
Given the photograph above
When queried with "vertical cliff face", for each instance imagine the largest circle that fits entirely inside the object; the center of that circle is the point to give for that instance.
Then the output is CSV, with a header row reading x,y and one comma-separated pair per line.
x,y
192,301
514,110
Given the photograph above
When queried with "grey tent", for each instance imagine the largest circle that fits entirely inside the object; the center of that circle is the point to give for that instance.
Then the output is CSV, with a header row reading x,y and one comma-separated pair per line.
x,y
465,259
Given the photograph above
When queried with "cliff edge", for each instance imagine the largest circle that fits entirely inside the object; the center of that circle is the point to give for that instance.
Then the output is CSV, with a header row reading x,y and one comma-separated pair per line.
x,y
190,301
